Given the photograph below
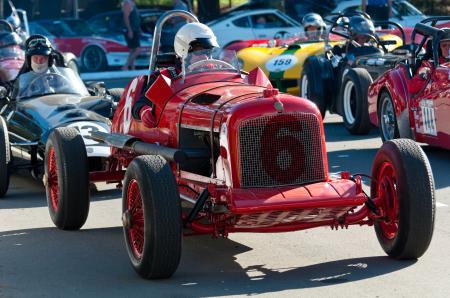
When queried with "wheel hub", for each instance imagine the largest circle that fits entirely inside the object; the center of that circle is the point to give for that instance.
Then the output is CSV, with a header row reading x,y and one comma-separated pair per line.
x,y
127,219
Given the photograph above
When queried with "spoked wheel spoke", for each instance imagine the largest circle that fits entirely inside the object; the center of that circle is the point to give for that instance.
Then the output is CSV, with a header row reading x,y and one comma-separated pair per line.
x,y
136,231
53,179
388,194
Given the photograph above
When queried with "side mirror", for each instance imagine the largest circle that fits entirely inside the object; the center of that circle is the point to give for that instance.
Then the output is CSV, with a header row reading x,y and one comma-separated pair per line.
x,y
3,92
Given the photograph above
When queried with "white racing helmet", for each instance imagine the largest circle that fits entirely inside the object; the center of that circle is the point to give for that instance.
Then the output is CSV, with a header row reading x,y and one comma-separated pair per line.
x,y
313,19
194,35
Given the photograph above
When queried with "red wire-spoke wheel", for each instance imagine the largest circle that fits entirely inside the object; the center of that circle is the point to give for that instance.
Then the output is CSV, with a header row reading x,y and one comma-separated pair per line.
x,y
52,179
151,216
387,193
403,187
67,178
134,219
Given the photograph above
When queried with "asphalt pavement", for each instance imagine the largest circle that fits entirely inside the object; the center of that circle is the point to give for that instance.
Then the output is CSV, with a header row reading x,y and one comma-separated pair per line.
x,y
38,260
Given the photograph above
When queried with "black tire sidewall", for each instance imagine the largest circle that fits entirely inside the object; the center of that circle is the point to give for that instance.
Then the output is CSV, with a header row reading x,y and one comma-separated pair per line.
x,y
73,179
151,265
361,82
411,241
5,158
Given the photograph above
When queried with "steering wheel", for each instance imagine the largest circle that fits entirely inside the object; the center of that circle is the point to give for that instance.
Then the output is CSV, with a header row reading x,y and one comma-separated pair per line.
x,y
209,61
371,37
29,90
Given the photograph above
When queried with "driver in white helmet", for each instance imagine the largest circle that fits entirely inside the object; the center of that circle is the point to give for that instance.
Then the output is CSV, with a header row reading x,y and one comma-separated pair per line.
x,y
314,26
191,41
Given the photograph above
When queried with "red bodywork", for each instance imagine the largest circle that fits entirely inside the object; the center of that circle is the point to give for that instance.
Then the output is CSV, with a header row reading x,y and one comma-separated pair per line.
x,y
254,128
76,45
10,66
239,45
422,106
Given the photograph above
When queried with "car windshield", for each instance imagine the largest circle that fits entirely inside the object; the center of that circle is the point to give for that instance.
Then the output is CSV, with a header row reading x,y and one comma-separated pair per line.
x,y
80,27
57,80
11,52
58,29
212,60
301,38
405,9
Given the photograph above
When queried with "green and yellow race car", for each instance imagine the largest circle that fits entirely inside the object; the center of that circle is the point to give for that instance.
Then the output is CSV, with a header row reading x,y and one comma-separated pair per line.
x,y
284,64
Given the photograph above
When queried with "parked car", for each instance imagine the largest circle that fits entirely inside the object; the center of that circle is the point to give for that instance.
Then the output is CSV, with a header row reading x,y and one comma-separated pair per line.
x,y
94,52
253,24
404,13
228,153
411,100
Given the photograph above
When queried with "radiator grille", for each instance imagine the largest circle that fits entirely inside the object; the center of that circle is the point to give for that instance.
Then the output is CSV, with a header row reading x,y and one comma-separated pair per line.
x,y
280,149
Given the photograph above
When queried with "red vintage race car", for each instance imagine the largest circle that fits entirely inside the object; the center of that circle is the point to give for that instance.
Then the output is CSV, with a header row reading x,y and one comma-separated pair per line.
x,y
410,101
228,153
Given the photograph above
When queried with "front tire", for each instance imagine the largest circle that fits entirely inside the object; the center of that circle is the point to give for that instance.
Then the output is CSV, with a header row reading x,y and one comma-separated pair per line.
x,y
5,158
67,178
152,217
387,121
355,111
404,185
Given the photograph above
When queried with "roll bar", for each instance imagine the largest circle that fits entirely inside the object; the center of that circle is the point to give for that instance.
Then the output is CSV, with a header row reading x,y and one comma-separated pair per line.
x,y
158,29
397,25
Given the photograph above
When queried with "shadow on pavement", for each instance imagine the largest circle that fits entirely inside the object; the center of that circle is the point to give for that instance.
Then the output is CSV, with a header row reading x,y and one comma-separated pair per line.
x,y
58,263
27,192
336,132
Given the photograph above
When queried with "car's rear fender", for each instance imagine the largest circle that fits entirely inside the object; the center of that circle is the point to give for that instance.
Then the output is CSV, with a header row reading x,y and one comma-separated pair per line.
x,y
393,82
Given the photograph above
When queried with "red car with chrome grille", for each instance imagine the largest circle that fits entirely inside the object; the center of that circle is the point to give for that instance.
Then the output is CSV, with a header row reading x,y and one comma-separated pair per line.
x,y
224,152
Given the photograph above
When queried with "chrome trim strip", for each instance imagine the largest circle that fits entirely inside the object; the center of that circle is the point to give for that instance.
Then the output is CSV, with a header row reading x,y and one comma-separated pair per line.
x,y
187,199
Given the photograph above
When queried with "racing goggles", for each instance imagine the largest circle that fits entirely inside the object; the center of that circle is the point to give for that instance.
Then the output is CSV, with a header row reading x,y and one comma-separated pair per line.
x,y
202,44
39,43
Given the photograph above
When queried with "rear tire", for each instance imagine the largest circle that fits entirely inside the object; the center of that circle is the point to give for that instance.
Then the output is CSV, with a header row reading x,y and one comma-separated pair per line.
x,y
5,158
152,217
353,97
67,178
404,184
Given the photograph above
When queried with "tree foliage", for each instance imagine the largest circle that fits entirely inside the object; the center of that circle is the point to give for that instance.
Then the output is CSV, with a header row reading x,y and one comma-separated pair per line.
x,y
433,7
